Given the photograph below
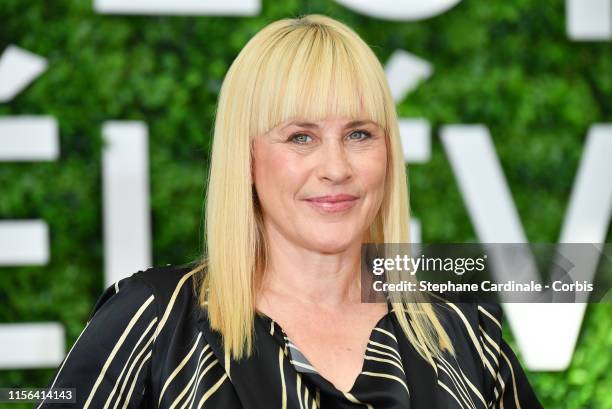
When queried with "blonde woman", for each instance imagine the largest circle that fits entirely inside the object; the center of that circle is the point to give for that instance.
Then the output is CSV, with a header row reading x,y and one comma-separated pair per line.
x,y
306,166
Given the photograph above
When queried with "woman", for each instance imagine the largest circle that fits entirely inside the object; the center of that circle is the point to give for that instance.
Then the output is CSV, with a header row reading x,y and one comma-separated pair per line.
x,y
306,166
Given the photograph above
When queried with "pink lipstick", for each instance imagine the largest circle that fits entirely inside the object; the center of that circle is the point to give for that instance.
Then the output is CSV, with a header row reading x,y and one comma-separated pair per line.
x,y
333,203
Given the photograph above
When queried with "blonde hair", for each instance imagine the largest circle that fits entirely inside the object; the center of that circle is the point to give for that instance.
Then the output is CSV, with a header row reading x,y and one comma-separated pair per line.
x,y
309,67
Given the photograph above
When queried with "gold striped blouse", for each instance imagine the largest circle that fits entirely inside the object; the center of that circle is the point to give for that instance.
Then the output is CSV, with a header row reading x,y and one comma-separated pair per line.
x,y
147,344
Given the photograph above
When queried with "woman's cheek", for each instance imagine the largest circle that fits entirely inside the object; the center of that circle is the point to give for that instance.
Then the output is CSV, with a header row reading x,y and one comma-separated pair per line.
x,y
374,167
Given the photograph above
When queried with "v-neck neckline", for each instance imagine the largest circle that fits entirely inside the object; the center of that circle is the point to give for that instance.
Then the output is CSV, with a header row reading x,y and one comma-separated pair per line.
x,y
284,338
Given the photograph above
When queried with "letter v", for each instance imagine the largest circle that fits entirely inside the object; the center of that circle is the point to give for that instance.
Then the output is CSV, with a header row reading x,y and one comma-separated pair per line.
x,y
546,333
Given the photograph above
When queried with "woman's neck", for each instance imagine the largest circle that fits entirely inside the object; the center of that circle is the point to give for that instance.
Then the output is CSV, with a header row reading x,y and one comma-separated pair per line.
x,y
312,277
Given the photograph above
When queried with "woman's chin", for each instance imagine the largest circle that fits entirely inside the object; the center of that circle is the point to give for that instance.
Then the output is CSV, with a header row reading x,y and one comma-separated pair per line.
x,y
331,245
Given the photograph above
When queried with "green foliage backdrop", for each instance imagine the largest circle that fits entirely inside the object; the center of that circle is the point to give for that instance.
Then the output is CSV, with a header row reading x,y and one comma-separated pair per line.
x,y
508,65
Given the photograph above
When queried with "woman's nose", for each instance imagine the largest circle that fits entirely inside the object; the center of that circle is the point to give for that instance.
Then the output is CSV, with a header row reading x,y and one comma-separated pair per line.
x,y
333,162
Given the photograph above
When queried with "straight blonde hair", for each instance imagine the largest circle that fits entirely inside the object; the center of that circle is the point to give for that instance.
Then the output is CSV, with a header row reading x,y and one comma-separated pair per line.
x,y
309,67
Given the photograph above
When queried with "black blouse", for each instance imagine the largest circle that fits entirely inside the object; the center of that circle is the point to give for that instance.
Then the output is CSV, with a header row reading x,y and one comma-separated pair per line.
x,y
148,345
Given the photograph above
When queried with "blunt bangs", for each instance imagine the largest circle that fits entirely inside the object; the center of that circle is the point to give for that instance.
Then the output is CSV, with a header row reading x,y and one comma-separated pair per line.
x,y
310,74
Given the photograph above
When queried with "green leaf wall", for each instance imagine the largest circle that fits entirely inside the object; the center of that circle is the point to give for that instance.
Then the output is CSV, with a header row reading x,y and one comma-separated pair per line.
x,y
508,65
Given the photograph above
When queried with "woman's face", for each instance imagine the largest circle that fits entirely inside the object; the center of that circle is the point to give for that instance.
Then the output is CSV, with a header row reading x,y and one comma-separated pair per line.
x,y
320,184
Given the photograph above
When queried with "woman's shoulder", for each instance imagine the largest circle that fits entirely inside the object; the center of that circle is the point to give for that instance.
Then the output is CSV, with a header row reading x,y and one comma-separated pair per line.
x,y
475,329
136,313
468,317
160,291
170,282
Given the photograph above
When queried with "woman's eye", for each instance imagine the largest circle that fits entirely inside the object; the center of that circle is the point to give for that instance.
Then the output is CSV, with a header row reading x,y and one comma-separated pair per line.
x,y
361,135
300,138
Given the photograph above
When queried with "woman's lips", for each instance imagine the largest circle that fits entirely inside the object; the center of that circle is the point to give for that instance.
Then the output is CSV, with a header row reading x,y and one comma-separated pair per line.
x,y
333,204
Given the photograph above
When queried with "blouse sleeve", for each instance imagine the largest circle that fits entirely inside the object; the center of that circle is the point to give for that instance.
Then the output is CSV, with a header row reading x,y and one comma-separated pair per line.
x,y
509,386
109,364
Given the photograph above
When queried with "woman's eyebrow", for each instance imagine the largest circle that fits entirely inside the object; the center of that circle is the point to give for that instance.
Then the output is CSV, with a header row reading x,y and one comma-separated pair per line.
x,y
316,126
360,123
